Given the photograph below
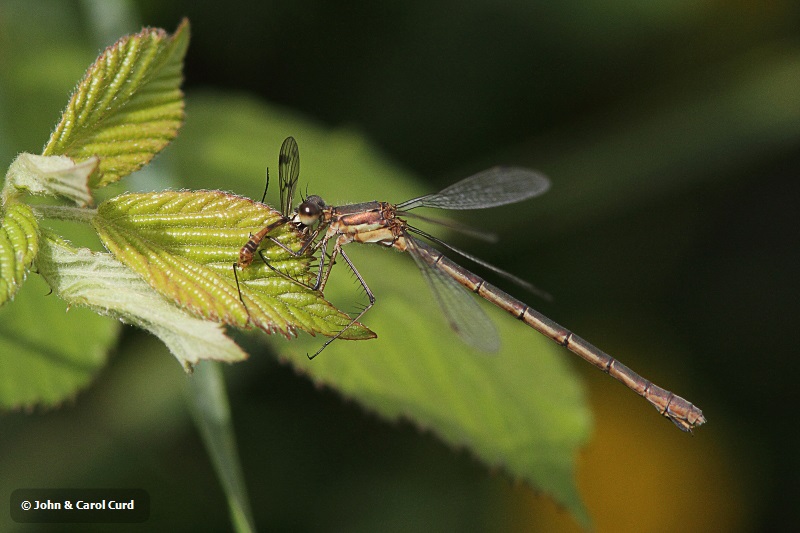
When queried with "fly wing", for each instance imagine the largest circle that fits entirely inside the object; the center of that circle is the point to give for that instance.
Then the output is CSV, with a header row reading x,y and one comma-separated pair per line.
x,y
463,313
490,188
289,173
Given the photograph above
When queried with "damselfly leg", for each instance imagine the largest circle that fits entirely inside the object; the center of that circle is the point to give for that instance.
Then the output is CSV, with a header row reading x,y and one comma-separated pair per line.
x,y
322,281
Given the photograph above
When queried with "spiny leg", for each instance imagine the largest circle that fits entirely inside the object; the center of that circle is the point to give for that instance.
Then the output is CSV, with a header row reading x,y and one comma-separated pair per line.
x,y
303,249
284,274
264,196
319,285
239,289
323,280
338,250
309,244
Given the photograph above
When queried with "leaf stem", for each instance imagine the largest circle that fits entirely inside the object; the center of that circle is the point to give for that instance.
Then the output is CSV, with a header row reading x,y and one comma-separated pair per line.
x,y
62,212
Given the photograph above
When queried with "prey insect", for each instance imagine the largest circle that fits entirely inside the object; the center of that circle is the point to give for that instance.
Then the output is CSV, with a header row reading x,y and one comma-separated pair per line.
x,y
384,223
288,174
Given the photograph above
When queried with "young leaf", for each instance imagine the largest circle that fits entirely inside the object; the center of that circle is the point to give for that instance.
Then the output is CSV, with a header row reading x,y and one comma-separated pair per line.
x,y
56,175
184,244
107,286
128,107
19,244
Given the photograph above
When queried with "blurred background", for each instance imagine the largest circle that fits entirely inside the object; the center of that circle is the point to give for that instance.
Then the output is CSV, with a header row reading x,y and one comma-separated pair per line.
x,y
670,131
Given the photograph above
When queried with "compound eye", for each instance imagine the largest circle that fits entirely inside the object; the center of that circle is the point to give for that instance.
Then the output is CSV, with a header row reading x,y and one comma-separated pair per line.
x,y
308,213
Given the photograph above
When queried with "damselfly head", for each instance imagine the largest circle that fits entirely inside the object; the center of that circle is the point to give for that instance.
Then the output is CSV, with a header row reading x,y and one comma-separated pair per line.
x,y
310,210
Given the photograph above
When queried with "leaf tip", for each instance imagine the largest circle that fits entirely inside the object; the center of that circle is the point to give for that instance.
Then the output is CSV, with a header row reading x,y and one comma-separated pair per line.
x,y
128,106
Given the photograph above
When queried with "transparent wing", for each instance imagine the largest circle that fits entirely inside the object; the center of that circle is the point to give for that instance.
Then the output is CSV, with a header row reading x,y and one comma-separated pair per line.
x,y
530,287
463,313
490,188
453,225
288,173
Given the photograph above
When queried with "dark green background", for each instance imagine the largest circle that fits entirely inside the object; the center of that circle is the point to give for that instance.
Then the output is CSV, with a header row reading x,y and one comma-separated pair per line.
x,y
671,130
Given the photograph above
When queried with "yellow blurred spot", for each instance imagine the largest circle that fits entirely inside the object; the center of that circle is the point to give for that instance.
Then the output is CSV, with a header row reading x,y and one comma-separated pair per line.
x,y
640,474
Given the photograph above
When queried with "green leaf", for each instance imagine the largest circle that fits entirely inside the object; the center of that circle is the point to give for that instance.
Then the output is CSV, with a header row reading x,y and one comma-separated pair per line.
x,y
128,107
19,244
522,410
46,353
184,244
97,280
52,175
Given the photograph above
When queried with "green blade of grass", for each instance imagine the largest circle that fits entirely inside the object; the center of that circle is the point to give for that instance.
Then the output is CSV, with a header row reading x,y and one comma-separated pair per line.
x,y
211,411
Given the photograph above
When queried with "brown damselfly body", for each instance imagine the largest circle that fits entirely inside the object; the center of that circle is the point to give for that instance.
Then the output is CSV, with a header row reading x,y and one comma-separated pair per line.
x,y
384,223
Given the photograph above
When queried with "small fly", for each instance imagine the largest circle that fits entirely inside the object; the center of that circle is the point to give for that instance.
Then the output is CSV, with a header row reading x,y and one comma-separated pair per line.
x,y
288,174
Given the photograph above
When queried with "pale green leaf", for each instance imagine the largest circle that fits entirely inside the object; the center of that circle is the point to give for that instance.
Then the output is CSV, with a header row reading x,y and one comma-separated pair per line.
x,y
184,244
56,175
19,244
128,107
97,280
521,411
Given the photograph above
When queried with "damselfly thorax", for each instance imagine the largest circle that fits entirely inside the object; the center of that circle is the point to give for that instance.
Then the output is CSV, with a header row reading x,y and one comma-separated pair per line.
x,y
369,222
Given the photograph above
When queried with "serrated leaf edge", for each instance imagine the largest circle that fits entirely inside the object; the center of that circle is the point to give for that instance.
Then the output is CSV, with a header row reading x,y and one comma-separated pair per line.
x,y
84,103
18,224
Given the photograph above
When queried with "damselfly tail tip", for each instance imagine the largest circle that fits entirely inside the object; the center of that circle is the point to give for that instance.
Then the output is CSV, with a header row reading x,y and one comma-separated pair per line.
x,y
685,416
688,427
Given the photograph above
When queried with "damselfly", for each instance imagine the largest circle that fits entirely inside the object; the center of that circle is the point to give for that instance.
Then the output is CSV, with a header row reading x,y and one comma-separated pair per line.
x,y
381,223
